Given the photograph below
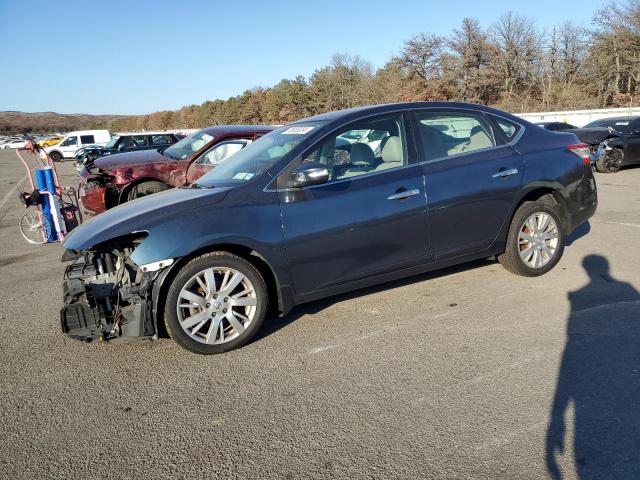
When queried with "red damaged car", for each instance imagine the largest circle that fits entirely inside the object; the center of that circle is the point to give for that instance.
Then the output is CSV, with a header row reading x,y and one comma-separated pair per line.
x,y
116,179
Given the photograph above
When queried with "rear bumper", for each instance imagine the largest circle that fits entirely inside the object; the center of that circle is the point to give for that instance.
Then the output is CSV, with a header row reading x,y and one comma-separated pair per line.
x,y
587,205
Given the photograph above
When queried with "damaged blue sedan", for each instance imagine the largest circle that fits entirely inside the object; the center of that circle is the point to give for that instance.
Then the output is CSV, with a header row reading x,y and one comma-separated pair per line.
x,y
325,205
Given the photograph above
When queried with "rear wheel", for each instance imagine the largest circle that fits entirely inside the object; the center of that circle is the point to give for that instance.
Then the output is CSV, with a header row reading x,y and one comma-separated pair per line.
x,y
144,189
535,242
55,156
216,303
611,162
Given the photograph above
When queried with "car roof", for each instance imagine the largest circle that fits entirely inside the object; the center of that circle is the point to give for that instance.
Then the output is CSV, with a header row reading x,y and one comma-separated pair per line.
x,y
617,119
130,134
230,129
394,107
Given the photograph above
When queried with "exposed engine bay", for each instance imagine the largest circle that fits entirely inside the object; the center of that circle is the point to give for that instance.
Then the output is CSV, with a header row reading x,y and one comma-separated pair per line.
x,y
106,295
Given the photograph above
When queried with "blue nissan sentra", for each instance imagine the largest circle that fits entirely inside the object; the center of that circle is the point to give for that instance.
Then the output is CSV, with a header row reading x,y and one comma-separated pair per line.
x,y
324,205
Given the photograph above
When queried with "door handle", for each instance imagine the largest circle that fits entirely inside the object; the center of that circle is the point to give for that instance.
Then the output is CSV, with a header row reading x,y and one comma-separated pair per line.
x,y
404,194
505,173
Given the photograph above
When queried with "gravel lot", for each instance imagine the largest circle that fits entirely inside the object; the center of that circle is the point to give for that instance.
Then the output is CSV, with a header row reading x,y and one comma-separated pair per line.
x,y
446,375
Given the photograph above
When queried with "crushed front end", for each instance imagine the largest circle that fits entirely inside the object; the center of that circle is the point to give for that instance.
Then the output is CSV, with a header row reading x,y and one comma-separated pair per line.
x,y
97,190
106,295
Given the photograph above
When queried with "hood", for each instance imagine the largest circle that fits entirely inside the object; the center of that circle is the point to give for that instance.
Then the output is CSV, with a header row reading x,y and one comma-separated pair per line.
x,y
142,215
130,159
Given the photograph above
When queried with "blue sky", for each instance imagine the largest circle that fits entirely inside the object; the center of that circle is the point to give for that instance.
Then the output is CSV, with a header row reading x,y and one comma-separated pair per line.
x,y
132,57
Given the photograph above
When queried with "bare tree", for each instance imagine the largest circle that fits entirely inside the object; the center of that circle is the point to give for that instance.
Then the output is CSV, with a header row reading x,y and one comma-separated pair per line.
x,y
517,54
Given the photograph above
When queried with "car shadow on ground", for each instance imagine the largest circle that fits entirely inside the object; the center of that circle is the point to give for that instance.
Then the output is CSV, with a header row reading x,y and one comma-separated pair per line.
x,y
273,324
580,231
599,378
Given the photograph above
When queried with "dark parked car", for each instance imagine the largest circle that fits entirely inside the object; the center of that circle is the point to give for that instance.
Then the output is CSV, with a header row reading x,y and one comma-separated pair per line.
x,y
298,215
555,126
620,145
110,181
125,142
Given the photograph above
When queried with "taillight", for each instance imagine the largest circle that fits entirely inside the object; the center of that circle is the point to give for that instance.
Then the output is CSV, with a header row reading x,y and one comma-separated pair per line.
x,y
581,150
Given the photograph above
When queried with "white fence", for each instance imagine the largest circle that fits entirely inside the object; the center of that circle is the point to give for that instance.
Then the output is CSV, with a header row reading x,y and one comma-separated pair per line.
x,y
579,118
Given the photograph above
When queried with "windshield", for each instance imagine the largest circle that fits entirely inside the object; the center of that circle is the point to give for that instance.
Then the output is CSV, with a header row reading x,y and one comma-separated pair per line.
x,y
258,156
112,142
188,145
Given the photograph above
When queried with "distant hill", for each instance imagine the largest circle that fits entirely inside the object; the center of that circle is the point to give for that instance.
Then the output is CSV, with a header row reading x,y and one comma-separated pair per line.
x,y
12,122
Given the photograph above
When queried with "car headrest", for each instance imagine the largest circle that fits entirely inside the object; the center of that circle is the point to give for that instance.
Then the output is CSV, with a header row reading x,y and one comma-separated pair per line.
x,y
479,138
361,153
392,151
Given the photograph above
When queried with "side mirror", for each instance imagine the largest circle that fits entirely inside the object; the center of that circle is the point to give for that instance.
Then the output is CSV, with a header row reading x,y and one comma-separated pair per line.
x,y
312,173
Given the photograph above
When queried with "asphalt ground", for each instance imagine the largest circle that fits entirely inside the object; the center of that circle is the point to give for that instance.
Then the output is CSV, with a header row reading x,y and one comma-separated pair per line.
x,y
453,374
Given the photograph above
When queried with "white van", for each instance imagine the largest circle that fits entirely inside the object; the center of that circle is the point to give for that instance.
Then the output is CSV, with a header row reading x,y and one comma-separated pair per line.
x,y
75,140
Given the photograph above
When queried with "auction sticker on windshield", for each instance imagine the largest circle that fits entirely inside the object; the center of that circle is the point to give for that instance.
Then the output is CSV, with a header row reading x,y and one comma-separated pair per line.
x,y
297,130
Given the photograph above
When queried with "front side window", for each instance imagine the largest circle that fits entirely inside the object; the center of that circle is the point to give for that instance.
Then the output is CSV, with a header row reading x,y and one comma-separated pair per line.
x,y
188,145
221,152
69,142
445,134
259,156
112,142
86,139
365,147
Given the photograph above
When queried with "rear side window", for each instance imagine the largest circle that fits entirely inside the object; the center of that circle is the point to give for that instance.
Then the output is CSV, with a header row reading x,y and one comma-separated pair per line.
x,y
138,141
444,134
161,140
510,129
84,139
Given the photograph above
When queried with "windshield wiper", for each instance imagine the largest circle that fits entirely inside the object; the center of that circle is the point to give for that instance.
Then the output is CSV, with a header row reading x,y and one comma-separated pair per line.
x,y
196,186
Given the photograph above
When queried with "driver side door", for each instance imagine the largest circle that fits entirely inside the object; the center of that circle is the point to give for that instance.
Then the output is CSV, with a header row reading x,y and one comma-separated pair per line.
x,y
214,156
368,219
69,146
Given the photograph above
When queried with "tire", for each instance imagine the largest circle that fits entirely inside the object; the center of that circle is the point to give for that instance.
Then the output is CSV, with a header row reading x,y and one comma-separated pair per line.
x,y
611,162
55,156
521,254
204,324
143,189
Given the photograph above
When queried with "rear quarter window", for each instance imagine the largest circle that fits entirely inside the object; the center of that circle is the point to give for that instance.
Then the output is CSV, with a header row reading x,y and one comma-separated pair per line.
x,y
509,129
84,139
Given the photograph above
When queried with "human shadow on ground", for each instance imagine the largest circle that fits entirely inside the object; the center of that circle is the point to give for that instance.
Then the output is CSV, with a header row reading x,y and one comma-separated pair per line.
x,y
600,376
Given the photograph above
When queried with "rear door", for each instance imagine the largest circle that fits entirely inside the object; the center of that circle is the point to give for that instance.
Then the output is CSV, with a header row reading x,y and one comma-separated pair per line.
x,y
368,219
472,175
632,142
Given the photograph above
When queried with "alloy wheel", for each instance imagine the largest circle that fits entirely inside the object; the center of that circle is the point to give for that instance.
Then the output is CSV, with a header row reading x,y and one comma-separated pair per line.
x,y
614,159
216,305
538,240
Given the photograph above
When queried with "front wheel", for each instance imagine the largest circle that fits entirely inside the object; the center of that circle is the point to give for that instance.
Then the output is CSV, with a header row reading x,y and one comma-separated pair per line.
x,y
216,303
611,161
535,242
55,156
144,189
